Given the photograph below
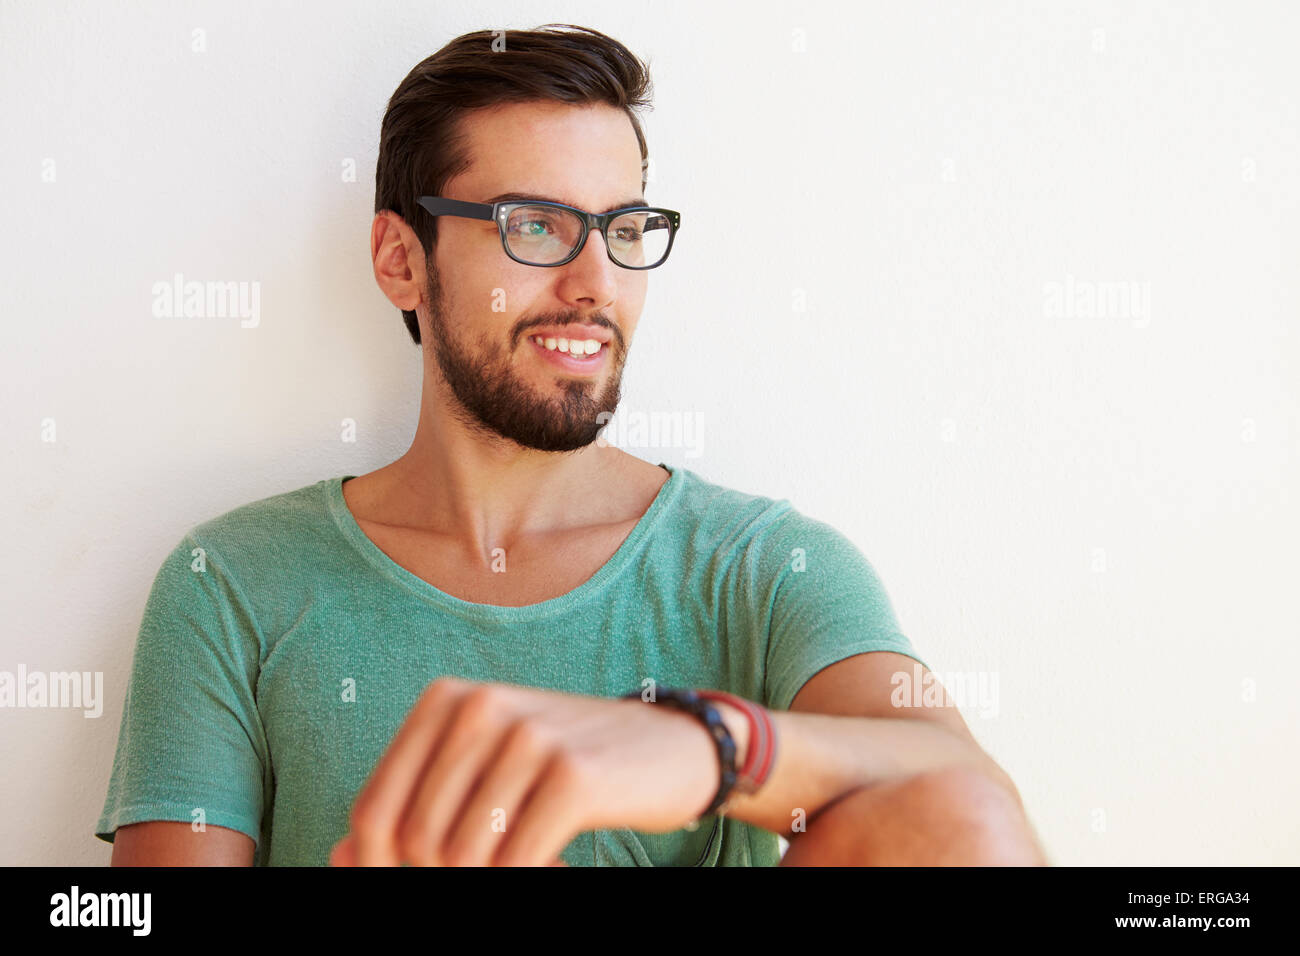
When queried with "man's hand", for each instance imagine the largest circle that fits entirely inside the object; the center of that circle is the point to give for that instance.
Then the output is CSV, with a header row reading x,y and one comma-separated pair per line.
x,y
490,774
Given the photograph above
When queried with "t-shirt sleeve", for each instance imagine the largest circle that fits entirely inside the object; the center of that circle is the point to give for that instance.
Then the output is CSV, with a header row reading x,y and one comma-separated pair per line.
x,y
828,604
191,745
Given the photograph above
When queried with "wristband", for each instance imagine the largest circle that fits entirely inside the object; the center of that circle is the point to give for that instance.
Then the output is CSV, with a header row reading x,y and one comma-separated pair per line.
x,y
762,740
692,703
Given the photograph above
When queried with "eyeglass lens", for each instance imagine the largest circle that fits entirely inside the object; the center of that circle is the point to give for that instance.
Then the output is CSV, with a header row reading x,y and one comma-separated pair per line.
x,y
543,235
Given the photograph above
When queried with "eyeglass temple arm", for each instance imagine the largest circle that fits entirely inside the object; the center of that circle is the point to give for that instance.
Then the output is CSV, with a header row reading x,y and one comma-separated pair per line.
x,y
437,206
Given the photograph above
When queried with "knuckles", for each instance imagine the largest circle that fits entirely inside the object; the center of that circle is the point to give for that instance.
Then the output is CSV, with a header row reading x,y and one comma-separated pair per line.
x,y
474,709
566,772
440,690
525,740
482,705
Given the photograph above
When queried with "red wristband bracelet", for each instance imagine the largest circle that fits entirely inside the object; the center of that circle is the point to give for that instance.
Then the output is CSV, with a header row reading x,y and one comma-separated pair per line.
x,y
761,753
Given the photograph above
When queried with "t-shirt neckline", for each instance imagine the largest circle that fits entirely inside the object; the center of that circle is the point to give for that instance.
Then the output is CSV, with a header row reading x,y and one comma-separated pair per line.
x,y
497,613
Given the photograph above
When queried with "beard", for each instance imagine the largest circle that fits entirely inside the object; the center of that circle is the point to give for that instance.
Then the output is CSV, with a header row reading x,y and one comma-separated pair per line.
x,y
492,400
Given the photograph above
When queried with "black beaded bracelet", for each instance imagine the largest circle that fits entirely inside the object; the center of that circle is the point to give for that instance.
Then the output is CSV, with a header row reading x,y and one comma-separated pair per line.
x,y
691,703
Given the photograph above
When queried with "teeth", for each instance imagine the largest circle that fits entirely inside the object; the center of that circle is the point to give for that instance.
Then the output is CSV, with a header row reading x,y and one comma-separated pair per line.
x,y
570,346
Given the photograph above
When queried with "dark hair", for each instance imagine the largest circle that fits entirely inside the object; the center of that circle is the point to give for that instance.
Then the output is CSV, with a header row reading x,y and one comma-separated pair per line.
x,y
421,143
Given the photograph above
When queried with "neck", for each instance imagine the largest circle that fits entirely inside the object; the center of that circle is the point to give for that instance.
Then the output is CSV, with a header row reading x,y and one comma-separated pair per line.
x,y
487,492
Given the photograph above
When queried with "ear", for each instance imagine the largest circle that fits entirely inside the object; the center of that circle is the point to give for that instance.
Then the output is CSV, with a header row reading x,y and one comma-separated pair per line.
x,y
398,260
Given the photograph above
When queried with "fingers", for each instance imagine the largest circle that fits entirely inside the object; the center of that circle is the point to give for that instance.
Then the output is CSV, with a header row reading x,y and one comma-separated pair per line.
x,y
544,825
344,852
448,795
492,810
380,806
472,777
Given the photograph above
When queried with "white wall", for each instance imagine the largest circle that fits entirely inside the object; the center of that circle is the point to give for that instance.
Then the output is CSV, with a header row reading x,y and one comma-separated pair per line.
x,y
1098,510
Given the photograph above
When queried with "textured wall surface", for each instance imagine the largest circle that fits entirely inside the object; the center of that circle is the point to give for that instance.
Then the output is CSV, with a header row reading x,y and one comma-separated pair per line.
x,y
1019,317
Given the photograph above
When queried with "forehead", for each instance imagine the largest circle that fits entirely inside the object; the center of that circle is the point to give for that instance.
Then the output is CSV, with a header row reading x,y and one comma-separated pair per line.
x,y
584,155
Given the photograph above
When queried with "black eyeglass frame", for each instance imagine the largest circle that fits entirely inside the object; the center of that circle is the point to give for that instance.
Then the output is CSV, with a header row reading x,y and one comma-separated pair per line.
x,y
499,212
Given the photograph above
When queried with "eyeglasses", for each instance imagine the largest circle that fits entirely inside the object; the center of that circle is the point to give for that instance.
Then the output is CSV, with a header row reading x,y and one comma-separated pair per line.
x,y
540,233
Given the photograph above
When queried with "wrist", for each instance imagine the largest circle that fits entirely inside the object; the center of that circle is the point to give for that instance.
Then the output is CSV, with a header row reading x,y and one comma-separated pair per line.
x,y
754,763
738,726
743,735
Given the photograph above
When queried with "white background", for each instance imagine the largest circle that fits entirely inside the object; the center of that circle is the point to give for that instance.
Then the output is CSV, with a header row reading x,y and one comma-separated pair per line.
x,y
1100,510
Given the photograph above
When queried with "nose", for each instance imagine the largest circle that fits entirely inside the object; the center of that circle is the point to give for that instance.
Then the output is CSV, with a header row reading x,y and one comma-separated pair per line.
x,y
591,276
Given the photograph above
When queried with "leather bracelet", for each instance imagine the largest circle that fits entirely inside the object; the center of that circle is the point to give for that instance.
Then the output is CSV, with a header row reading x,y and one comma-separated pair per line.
x,y
761,755
692,703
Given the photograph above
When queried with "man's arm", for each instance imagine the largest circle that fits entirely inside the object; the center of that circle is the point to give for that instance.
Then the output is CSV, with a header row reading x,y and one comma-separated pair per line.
x,y
842,733
170,843
191,734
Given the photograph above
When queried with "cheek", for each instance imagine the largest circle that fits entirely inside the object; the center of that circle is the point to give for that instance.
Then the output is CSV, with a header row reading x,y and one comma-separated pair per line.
x,y
486,297
630,306
636,298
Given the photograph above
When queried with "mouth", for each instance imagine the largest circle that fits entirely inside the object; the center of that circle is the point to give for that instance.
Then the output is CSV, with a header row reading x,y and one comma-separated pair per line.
x,y
580,356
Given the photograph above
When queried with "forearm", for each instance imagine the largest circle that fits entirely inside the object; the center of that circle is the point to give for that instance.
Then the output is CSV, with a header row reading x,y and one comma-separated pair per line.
x,y
820,758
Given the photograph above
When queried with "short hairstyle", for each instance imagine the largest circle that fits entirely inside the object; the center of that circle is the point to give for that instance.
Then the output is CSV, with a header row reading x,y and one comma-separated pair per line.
x,y
421,143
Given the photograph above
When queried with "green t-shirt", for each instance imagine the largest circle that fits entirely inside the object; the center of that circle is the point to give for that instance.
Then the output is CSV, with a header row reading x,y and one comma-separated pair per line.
x,y
274,666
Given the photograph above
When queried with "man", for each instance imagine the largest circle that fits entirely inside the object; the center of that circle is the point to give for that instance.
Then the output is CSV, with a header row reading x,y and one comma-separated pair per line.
x,y
424,664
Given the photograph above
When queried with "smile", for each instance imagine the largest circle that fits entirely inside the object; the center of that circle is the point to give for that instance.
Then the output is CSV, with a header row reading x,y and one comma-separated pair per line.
x,y
574,347
574,355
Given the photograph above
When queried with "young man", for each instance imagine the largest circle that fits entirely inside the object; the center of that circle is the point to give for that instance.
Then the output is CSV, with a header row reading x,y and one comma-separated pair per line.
x,y
425,664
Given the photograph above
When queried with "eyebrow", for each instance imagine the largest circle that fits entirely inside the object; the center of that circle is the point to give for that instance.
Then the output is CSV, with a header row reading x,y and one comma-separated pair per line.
x,y
529,197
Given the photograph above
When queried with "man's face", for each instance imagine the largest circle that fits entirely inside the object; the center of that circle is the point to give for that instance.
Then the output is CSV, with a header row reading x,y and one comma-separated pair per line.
x,y
485,308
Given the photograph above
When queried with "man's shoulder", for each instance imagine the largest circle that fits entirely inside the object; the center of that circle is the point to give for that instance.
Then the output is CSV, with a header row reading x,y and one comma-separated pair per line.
x,y
742,517
259,555
270,527
705,502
